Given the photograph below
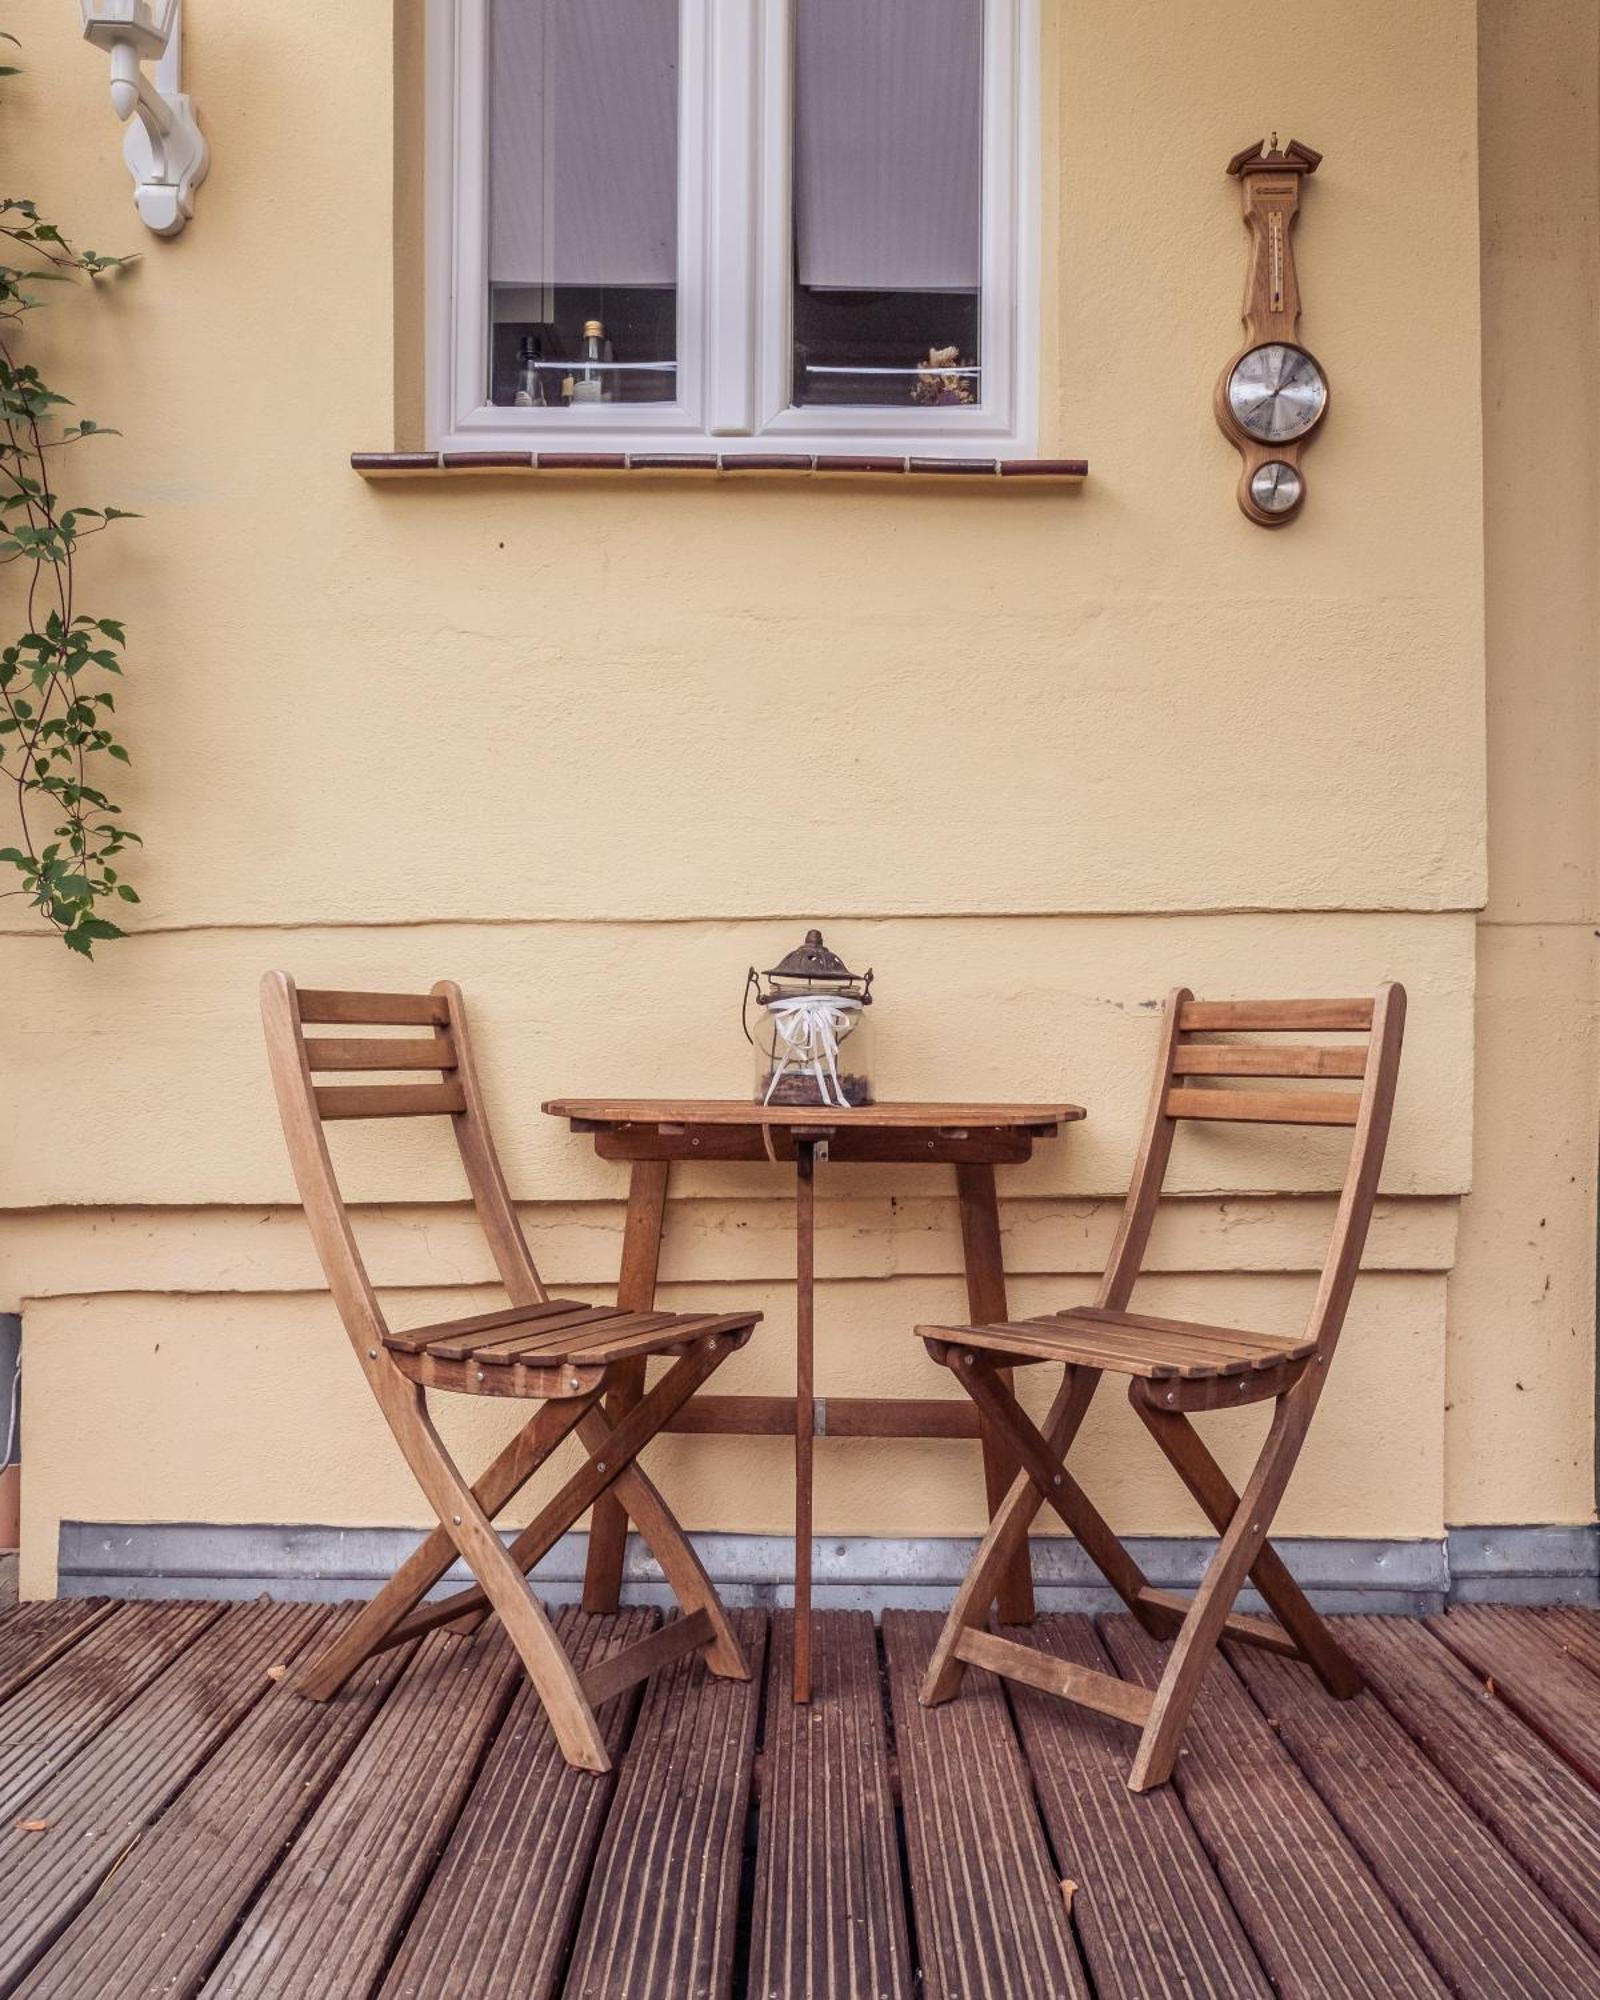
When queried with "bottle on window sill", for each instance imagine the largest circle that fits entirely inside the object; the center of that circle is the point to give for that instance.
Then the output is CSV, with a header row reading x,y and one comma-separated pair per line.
x,y
593,381
530,382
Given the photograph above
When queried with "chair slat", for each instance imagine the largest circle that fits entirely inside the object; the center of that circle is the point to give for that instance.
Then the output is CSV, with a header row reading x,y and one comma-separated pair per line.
x,y
1267,1346
550,1339
1124,1345
466,1339
1039,1341
375,1010
583,1342
1259,1059
389,1100
417,1339
683,1327
364,1052
1275,1016
1266,1107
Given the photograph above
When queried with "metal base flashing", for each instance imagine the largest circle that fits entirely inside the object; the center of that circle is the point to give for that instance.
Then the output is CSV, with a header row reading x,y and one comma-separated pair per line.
x,y
1532,1565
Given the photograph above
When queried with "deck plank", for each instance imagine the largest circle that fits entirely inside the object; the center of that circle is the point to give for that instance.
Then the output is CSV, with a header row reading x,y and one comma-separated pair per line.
x,y
1552,1692
1318,1920
205,1830
1575,1629
92,1811
1538,1808
53,1717
990,1916
1485,1925
1153,1920
660,1918
499,1911
829,1913
33,1635
158,1926
326,1923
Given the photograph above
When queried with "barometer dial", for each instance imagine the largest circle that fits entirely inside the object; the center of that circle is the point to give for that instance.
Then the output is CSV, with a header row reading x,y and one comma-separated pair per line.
x,y
1277,392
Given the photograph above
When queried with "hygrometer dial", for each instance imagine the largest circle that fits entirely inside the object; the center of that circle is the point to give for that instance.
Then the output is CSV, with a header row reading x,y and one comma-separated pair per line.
x,y
1276,487
1276,392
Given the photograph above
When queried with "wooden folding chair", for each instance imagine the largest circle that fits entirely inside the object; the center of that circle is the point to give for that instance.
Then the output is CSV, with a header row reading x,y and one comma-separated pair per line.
x,y
559,1352
1178,1368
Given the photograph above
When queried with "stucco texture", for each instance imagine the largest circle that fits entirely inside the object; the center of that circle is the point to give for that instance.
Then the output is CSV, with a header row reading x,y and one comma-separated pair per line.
x,y
592,749
1522,1298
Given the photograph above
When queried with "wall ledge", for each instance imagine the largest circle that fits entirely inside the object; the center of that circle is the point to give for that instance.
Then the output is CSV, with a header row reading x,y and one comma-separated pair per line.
x,y
1529,1565
988,473
1535,1565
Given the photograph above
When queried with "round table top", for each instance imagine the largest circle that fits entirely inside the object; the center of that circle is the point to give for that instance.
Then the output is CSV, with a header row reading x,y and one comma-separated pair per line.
x,y
890,1117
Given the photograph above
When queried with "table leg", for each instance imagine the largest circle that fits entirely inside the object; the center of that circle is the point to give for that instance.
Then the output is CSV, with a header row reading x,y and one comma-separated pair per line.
x,y
636,1292
805,1217
986,1303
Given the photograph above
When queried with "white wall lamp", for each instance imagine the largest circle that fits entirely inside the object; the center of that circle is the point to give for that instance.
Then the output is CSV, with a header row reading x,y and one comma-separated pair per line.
x,y
164,148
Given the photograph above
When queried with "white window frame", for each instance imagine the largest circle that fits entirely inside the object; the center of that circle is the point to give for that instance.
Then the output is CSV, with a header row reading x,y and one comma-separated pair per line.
x,y
734,260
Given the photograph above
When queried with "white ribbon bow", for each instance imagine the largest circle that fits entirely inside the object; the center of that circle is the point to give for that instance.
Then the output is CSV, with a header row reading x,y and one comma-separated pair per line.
x,y
807,1031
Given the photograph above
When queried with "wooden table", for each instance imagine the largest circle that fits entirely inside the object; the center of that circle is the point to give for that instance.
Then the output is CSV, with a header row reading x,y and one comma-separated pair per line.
x,y
651,1133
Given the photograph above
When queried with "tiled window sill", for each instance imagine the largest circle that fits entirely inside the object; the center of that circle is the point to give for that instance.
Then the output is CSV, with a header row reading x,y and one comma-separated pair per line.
x,y
1016,472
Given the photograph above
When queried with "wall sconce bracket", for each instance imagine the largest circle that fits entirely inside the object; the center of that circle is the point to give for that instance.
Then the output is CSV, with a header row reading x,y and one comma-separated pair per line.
x,y
165,150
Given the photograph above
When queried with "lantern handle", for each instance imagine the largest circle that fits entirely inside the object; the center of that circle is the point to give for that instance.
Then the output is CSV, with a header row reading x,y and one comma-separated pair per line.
x,y
752,978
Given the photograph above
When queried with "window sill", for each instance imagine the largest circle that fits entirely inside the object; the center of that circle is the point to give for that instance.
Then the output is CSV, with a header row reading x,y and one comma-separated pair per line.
x,y
1016,473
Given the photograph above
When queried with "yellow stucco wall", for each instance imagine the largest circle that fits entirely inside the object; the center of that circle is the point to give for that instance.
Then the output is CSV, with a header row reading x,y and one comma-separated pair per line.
x,y
1054,752
1522,1297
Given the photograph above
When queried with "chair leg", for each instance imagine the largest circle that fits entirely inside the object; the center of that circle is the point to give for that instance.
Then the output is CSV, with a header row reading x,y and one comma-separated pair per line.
x,y
636,1292
553,1675
985,1384
1008,1532
1191,1459
1235,1553
373,1627
674,1551
598,1476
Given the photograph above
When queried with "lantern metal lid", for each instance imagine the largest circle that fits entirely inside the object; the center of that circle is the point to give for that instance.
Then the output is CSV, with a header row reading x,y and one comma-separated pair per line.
x,y
813,960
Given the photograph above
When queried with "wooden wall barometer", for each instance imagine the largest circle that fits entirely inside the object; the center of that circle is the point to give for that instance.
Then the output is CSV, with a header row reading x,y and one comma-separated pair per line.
x,y
1272,395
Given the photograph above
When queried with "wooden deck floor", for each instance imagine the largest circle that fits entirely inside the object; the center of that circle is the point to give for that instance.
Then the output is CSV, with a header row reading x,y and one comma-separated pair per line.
x,y
176,1822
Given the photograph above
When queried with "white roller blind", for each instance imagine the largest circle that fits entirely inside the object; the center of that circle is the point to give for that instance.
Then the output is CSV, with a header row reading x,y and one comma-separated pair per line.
x,y
583,145
888,184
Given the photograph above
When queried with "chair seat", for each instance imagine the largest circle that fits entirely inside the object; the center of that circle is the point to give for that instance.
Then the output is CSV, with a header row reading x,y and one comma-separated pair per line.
x,y
1127,1343
562,1330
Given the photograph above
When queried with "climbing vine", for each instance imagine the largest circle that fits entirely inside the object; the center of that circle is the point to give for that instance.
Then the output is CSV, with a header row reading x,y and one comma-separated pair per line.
x,y
55,709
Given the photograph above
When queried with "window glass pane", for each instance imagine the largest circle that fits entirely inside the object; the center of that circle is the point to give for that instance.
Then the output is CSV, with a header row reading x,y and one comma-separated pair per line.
x,y
888,201
583,202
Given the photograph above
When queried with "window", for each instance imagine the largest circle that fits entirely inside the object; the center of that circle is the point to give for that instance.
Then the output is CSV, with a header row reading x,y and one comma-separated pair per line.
x,y
759,225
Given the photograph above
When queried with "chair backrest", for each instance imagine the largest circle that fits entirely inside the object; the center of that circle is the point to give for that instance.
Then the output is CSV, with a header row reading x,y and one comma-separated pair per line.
x,y
437,1048
1271,1082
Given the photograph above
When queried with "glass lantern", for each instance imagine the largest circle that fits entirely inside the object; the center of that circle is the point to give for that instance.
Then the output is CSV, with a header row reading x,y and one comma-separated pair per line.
x,y
812,1035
